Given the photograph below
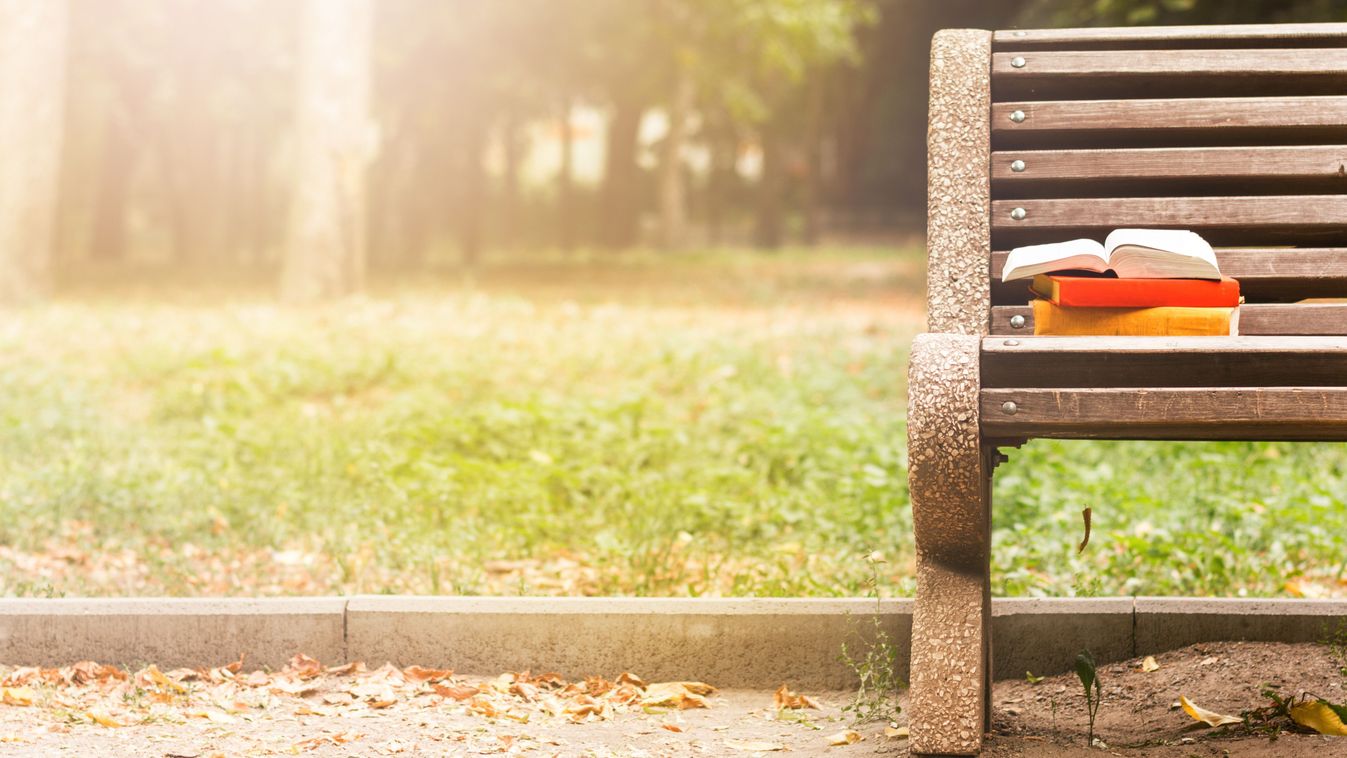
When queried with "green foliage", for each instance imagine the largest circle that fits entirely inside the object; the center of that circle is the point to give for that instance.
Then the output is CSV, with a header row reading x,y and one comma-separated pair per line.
x,y
1088,673
684,426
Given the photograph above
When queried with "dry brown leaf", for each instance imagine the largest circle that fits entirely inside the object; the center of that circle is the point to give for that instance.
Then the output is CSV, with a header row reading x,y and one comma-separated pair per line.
x,y
671,727
1210,718
303,667
212,715
455,691
22,696
101,717
420,674
626,677
287,686
677,695
1148,664
354,667
151,675
784,698
847,737
893,731
754,746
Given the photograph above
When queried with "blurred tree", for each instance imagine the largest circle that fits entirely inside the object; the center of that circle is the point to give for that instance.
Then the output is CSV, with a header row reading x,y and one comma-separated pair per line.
x,y
335,139
32,95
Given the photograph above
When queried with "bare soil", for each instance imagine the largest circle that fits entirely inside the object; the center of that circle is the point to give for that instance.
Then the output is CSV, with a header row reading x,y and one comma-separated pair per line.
x,y
1138,719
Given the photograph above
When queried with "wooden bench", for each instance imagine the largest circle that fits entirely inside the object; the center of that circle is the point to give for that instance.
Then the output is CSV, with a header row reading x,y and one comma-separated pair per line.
x,y
1236,132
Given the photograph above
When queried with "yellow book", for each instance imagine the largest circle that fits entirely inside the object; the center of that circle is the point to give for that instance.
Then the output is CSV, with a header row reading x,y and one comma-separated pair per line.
x,y
1165,321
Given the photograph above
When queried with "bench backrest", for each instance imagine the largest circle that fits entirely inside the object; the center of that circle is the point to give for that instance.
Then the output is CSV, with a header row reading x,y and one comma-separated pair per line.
x,y
1236,132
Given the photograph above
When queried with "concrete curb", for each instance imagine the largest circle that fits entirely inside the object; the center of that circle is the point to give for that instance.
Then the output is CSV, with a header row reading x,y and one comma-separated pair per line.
x,y
171,632
750,642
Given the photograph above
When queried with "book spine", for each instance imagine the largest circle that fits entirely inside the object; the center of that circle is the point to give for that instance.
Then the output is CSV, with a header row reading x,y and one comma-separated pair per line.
x,y
1168,321
1150,293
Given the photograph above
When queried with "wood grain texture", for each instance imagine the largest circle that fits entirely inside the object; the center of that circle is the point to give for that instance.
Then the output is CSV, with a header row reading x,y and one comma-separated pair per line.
x,y
1327,63
1234,35
1245,361
1186,413
1249,220
1294,162
1210,114
1259,319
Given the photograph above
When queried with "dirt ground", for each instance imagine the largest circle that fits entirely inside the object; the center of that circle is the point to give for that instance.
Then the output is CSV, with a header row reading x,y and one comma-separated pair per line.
x,y
1139,718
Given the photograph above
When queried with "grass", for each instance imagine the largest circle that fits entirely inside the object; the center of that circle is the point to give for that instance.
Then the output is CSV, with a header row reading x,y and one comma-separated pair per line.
x,y
709,425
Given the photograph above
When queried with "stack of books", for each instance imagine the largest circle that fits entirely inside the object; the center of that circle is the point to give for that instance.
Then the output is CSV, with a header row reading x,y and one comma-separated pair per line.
x,y
1139,282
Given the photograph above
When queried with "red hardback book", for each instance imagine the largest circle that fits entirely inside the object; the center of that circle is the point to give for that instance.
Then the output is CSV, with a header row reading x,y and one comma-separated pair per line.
x,y
1100,292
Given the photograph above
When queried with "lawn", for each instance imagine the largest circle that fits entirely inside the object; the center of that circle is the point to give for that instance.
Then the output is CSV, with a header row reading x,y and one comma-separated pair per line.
x,y
725,424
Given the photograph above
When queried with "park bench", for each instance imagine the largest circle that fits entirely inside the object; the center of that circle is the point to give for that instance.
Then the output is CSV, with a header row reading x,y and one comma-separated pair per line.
x,y
1236,132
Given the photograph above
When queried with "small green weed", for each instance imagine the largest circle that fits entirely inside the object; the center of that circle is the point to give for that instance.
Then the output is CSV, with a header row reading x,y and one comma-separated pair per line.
x,y
1336,641
875,664
1088,673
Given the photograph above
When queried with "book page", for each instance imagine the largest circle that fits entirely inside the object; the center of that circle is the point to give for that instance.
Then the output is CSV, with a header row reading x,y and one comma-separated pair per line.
x,y
1160,254
1081,254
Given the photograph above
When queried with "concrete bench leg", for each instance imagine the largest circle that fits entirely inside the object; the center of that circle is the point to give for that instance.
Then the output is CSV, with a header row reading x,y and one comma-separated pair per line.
x,y
948,473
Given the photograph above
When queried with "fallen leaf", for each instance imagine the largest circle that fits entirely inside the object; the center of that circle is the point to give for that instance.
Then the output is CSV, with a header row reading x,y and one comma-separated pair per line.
x,y
16,695
152,675
754,746
419,674
303,667
455,691
626,677
671,727
682,695
1210,718
784,698
845,738
214,716
1148,664
1321,716
895,732
101,717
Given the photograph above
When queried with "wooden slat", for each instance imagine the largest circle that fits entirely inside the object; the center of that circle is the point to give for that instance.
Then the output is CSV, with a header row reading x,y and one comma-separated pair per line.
x,y
1196,413
1326,63
1164,361
1222,220
1294,162
1175,36
1254,320
1264,274
1204,115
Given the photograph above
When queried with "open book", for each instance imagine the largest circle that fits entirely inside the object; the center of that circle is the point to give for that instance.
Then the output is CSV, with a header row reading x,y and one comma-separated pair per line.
x,y
1129,253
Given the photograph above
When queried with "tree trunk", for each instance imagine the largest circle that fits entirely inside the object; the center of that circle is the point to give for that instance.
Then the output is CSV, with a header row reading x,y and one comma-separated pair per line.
x,y
108,238
334,143
724,152
620,196
32,99
672,192
472,199
566,179
771,186
814,181
511,210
